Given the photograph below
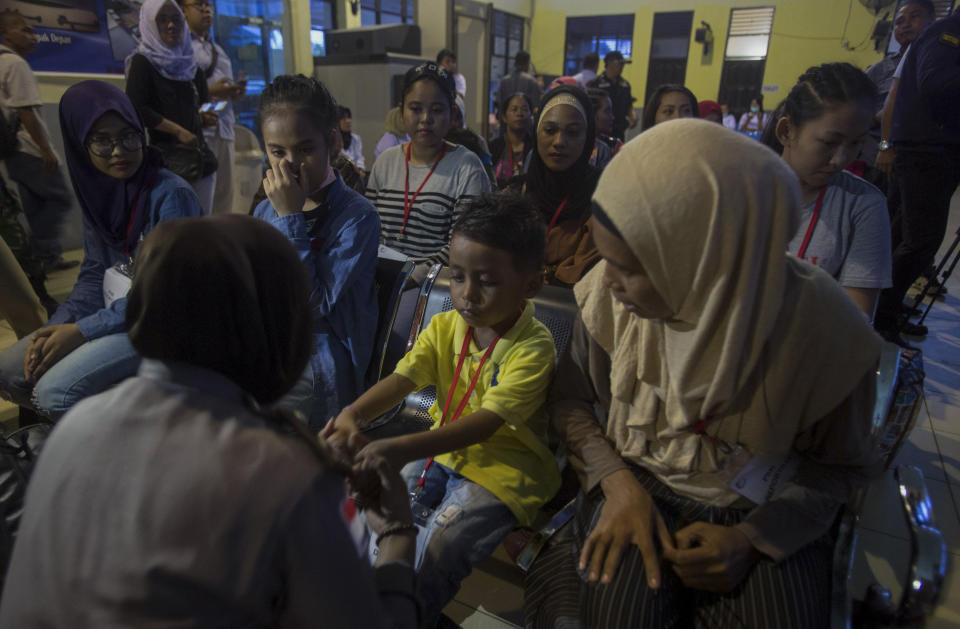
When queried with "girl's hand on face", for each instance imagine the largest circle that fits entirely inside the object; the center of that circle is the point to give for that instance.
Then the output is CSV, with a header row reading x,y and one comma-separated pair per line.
x,y
287,192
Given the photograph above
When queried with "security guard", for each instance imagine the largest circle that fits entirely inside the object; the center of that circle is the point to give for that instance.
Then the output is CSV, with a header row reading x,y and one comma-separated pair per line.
x,y
618,88
926,137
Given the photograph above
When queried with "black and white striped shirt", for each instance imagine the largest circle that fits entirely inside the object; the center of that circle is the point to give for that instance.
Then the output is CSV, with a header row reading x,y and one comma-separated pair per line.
x,y
458,179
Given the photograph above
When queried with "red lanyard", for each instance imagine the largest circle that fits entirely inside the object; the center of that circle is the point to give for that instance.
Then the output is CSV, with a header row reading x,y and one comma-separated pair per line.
x,y
556,215
513,163
406,186
813,223
453,385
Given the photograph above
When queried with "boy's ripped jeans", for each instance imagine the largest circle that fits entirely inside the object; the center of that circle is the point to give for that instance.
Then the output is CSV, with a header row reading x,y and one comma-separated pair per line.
x,y
464,527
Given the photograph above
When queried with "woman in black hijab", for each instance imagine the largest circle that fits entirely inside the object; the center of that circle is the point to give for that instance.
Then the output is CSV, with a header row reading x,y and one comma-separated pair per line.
x,y
560,181
174,498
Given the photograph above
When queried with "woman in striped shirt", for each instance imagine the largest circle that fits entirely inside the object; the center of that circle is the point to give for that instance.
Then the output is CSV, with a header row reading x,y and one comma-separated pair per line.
x,y
420,187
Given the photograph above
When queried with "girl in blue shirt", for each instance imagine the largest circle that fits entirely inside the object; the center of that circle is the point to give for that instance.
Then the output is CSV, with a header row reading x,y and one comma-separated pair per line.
x,y
123,192
335,230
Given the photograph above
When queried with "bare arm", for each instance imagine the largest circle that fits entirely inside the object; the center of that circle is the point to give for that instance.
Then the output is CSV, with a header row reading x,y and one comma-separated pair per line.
x,y
466,431
30,122
183,136
885,158
865,298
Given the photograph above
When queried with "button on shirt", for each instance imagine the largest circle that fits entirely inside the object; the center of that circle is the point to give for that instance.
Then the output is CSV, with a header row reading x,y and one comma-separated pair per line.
x,y
203,53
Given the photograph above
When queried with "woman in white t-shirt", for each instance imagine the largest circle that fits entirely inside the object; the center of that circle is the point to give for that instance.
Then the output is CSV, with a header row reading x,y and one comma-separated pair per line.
x,y
818,130
755,120
352,145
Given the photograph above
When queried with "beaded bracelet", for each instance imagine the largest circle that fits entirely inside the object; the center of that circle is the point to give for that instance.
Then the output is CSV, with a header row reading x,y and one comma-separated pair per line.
x,y
396,529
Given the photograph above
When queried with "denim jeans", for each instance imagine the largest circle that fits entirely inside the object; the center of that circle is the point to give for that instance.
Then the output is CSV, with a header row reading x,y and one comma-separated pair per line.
x,y
465,527
46,200
90,369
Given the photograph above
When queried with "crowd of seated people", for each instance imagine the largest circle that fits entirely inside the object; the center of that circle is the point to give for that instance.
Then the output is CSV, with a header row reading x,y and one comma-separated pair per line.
x,y
208,381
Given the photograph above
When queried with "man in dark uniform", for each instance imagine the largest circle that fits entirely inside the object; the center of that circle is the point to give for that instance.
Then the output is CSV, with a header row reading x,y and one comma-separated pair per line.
x,y
926,136
624,117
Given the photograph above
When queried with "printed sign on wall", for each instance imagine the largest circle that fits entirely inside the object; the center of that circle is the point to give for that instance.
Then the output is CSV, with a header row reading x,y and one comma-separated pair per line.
x,y
89,36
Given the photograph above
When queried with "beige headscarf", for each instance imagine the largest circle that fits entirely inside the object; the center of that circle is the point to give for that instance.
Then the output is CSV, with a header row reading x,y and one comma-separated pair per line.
x,y
761,343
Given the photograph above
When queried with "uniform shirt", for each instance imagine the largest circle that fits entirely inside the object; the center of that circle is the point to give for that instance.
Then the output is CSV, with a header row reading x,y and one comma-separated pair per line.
x,y
355,152
338,245
203,55
461,84
458,179
620,96
514,464
882,75
18,89
170,198
169,501
926,116
851,240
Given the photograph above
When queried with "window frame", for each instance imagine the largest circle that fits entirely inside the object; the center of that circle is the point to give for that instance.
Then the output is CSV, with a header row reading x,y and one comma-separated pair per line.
x,y
407,15
575,62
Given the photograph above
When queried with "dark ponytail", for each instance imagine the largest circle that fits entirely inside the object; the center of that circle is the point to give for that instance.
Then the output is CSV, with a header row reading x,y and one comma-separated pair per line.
x,y
306,95
820,87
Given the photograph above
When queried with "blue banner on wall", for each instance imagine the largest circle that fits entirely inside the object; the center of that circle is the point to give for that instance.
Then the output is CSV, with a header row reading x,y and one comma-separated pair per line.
x,y
87,36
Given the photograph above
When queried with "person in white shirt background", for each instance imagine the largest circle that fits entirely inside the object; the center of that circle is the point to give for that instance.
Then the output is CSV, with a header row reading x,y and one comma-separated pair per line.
x,y
352,145
591,63
215,63
447,59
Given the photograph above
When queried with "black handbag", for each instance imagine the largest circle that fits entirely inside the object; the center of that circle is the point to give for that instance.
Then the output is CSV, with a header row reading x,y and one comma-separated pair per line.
x,y
190,162
18,456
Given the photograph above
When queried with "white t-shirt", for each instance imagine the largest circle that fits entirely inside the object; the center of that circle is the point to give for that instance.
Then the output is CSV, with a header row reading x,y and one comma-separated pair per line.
x,y
584,76
461,84
18,89
851,240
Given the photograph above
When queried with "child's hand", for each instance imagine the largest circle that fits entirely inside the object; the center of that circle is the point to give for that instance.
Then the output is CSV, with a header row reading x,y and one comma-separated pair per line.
x,y
381,492
286,189
342,433
390,449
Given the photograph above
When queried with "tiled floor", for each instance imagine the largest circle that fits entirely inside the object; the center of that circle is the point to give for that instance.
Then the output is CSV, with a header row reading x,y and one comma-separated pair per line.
x,y
491,597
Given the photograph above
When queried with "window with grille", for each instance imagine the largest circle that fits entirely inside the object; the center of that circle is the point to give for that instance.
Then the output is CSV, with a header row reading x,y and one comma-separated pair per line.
x,y
374,12
322,18
600,34
749,34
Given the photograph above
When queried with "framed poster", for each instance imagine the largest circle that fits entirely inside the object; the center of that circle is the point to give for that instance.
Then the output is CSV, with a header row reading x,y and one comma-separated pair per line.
x,y
82,36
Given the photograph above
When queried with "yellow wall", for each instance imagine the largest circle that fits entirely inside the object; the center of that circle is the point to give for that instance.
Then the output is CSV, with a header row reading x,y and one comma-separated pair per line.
x,y
805,33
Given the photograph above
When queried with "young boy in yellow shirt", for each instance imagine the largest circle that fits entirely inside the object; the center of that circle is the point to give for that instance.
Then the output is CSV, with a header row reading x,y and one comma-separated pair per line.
x,y
484,467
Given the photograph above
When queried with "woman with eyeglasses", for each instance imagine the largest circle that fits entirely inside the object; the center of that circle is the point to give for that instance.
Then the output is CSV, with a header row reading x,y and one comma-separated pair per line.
x,y
123,193
167,87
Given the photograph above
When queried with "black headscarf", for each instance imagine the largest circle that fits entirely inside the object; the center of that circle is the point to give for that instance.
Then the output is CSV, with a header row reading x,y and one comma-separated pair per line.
x,y
116,209
546,188
228,293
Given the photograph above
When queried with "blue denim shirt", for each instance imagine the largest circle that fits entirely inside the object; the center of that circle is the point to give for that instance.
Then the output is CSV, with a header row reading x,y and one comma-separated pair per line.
x,y
339,250
172,197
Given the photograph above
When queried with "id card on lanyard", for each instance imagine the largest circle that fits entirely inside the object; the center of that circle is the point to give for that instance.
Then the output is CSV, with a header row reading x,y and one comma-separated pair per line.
x,y
421,513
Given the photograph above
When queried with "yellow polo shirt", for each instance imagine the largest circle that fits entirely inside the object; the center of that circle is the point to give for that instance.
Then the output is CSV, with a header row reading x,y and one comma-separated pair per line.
x,y
515,464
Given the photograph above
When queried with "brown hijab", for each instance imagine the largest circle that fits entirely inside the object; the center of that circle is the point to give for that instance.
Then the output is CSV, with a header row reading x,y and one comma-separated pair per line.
x,y
227,293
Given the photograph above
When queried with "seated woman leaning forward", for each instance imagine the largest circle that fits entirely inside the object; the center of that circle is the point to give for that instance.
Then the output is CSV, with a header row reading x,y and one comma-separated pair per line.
x,y
174,499
716,355
123,192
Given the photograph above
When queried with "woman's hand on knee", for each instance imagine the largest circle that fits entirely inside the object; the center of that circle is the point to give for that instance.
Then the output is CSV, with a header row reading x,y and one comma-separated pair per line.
x,y
49,346
712,557
628,516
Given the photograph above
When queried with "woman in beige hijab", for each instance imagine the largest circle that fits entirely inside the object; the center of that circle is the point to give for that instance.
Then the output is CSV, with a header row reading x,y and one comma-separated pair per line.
x,y
718,358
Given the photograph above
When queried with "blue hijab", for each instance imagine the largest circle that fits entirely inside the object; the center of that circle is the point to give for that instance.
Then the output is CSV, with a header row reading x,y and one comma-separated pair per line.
x,y
116,208
177,63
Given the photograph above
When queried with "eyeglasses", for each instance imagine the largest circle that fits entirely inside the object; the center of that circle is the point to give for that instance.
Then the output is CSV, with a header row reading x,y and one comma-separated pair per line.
x,y
103,146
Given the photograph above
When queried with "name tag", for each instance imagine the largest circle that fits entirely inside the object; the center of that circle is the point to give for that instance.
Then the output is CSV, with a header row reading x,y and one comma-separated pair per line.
x,y
116,284
763,476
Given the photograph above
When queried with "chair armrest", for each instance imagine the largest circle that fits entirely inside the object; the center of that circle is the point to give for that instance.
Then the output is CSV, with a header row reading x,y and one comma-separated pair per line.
x,y
928,552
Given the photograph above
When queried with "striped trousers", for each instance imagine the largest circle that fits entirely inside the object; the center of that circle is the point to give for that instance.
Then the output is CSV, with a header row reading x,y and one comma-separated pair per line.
x,y
792,593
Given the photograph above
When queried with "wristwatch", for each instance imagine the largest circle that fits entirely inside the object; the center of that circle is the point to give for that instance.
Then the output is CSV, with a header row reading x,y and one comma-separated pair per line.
x,y
884,145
